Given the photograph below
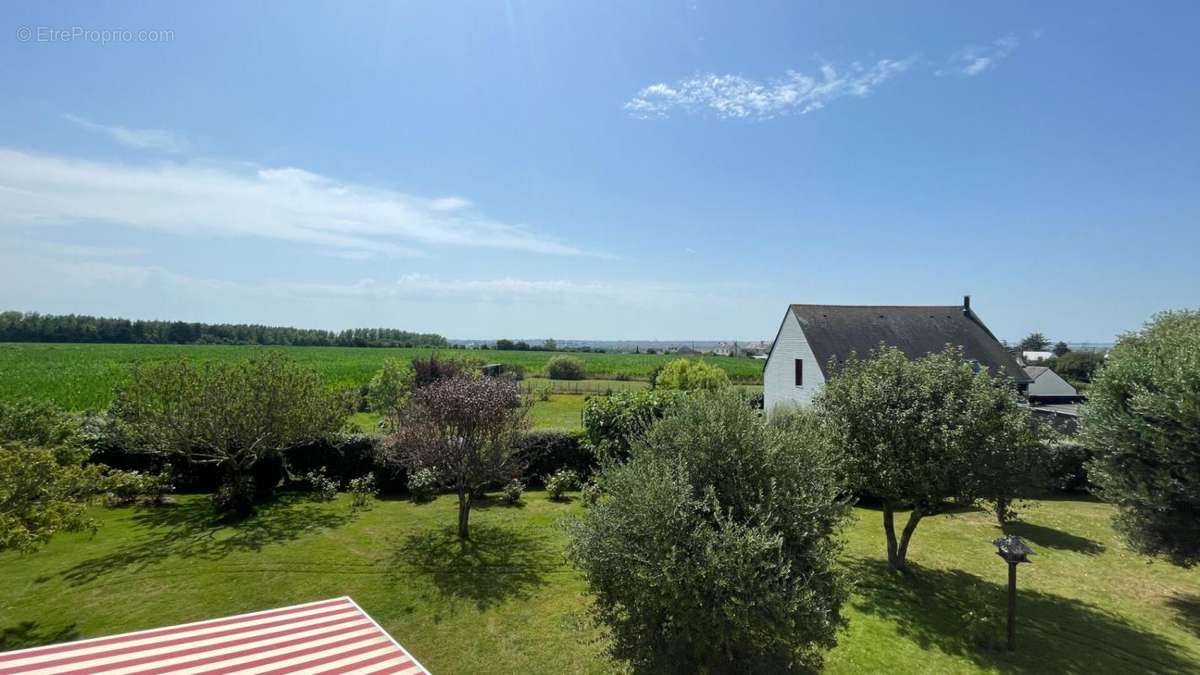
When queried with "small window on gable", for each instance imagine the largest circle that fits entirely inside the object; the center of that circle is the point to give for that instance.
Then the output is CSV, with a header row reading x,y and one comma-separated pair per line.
x,y
799,372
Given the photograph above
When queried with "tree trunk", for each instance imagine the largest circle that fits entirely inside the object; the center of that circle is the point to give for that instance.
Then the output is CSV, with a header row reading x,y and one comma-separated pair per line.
x,y
464,512
889,527
898,551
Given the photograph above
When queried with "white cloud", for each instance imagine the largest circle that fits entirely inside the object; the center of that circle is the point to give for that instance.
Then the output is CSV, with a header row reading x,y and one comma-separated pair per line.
x,y
734,96
142,139
976,59
288,204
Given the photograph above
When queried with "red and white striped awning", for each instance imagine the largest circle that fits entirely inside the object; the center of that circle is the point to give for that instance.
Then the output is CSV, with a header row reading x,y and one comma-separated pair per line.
x,y
329,636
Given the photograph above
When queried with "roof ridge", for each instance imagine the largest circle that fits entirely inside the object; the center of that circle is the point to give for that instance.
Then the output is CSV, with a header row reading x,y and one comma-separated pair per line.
x,y
806,304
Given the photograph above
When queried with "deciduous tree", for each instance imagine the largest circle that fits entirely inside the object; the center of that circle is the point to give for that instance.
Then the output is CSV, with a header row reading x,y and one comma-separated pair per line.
x,y
231,415
462,429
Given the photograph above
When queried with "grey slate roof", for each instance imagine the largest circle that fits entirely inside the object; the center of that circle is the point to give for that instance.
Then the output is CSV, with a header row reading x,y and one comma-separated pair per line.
x,y
836,331
1034,372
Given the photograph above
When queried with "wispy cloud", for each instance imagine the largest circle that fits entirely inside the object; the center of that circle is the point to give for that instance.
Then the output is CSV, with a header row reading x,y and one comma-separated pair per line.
x,y
973,60
143,139
734,96
289,204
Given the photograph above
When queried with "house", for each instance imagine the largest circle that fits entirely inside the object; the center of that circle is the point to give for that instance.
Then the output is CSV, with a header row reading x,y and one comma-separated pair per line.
x,y
812,337
1047,387
1036,357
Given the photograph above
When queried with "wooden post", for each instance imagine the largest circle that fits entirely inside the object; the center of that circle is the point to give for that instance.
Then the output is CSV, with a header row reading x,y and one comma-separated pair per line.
x,y
1012,605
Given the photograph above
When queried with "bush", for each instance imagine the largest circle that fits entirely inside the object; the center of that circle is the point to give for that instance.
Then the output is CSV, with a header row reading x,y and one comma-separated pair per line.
x,y
1066,465
323,488
714,549
512,371
129,487
591,493
37,423
545,451
388,390
610,422
565,368
512,492
686,375
559,482
362,489
1079,366
435,368
422,485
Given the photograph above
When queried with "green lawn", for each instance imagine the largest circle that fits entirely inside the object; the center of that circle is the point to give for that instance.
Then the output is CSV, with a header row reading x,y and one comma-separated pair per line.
x,y
508,601
562,411
82,376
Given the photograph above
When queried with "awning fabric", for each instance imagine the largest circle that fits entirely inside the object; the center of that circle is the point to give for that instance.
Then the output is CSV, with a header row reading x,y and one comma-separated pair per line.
x,y
329,636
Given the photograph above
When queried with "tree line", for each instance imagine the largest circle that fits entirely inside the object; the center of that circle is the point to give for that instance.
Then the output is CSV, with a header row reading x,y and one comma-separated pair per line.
x,y
34,327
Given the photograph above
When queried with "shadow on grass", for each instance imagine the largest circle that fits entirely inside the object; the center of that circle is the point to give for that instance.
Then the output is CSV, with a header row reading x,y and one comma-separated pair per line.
x,y
1187,611
194,530
1054,634
1040,535
494,565
30,634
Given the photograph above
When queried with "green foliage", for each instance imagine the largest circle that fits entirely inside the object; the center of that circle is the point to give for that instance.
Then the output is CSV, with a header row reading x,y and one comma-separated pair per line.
x,y
229,415
1078,366
1143,422
611,422
1034,342
362,489
422,484
129,487
33,327
321,487
560,482
713,550
685,375
566,368
591,493
38,423
544,451
921,432
512,491
40,496
388,391
1060,348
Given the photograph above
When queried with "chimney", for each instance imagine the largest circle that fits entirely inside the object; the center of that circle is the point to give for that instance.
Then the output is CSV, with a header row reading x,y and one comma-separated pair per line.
x,y
966,303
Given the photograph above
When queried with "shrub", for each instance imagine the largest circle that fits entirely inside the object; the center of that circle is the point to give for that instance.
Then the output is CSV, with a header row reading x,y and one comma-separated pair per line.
x,y
322,487
128,487
591,493
713,550
610,422
1066,465
389,387
559,482
512,371
1143,422
1077,366
41,495
37,423
686,375
422,484
433,369
512,491
362,489
545,451
566,368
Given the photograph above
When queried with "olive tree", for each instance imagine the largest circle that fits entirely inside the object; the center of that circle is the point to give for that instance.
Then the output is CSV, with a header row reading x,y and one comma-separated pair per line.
x,y
1142,421
712,548
915,433
231,415
462,429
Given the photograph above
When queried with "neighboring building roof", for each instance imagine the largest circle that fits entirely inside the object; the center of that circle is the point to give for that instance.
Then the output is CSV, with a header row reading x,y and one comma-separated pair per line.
x,y
318,637
1066,409
836,331
1036,355
1034,372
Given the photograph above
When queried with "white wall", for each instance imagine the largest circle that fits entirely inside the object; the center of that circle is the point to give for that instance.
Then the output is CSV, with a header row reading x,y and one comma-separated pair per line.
x,y
1050,384
779,376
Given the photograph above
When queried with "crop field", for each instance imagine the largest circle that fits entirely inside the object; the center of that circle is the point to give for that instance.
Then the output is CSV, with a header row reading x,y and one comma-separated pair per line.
x,y
83,376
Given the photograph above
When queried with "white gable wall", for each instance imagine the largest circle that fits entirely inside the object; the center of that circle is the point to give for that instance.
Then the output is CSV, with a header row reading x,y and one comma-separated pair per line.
x,y
779,376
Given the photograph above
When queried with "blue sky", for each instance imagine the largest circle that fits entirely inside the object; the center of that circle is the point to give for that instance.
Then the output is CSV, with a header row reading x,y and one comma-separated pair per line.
x,y
600,170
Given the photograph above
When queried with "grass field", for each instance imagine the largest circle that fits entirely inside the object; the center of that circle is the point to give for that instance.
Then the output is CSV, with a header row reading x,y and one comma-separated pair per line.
x,y
508,601
82,376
